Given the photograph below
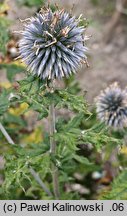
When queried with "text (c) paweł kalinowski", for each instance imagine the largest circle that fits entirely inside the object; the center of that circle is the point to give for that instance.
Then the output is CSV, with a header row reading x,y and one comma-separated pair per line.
x,y
62,207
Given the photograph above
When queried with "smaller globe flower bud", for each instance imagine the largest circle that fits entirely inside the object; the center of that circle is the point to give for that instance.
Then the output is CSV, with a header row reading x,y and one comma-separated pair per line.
x,y
111,106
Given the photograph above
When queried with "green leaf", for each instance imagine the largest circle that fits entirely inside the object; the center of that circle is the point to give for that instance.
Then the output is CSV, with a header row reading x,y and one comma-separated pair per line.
x,y
69,138
32,91
71,101
31,85
17,165
82,160
75,121
99,136
31,3
4,102
118,189
26,84
17,120
12,70
43,114
4,34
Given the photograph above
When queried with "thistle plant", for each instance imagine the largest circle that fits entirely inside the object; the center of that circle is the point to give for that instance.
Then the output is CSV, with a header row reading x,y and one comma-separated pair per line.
x,y
112,106
52,45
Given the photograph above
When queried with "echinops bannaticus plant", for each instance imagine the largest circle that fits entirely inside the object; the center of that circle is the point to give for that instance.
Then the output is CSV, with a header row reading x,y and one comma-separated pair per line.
x,y
112,106
53,44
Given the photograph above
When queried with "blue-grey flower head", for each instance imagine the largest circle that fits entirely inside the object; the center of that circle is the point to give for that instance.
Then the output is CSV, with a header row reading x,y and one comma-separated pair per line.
x,y
111,106
52,44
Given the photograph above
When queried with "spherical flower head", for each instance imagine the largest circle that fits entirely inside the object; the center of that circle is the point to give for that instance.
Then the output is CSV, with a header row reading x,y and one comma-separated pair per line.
x,y
52,44
111,106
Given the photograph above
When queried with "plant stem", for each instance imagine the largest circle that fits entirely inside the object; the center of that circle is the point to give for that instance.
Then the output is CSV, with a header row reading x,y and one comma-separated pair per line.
x,y
53,148
40,182
6,135
32,171
52,129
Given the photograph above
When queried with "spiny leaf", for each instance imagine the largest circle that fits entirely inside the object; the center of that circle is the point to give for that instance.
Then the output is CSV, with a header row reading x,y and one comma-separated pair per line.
x,y
73,102
82,160
75,121
118,189
98,135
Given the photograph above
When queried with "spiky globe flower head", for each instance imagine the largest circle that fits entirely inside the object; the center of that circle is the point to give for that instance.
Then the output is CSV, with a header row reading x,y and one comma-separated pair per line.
x,y
111,106
52,44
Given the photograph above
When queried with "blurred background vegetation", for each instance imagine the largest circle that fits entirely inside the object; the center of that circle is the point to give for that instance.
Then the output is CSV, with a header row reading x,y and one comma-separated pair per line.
x,y
108,62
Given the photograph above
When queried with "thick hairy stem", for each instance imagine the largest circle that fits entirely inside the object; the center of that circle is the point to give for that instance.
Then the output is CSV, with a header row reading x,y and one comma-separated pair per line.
x,y
32,171
53,150
52,129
